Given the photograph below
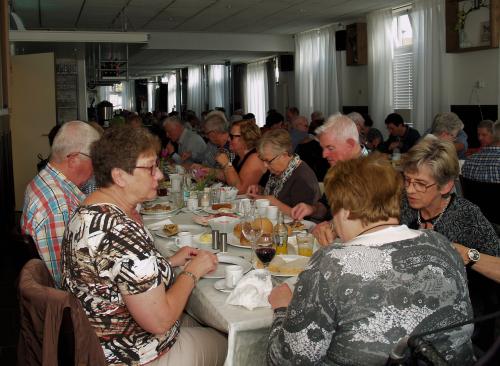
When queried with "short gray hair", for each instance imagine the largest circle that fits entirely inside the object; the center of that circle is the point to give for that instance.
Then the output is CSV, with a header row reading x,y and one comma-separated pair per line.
x,y
447,122
357,118
172,121
341,126
439,155
216,123
73,136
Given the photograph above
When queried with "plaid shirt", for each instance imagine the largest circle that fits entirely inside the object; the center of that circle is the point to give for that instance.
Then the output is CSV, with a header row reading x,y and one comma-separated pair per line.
x,y
49,201
483,166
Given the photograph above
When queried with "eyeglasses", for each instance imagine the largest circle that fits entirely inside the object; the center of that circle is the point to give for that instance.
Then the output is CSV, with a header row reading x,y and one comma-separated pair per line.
x,y
78,153
269,162
418,186
152,168
232,137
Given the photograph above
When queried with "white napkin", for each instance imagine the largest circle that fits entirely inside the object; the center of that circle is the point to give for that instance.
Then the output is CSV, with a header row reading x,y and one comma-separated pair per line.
x,y
252,290
159,224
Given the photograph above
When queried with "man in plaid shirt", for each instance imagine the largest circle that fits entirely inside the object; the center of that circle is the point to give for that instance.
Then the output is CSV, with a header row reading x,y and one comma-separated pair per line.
x,y
484,166
53,195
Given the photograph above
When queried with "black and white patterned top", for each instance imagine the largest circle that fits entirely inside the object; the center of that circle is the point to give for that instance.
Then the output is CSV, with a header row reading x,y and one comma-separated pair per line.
x,y
462,222
355,301
107,255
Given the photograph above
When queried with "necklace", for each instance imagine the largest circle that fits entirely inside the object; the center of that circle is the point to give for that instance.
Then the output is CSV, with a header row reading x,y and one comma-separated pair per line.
x,y
433,220
373,227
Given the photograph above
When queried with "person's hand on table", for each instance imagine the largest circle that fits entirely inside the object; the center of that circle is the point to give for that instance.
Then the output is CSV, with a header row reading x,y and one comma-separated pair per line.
x,y
222,159
301,210
254,189
204,262
324,233
186,155
394,145
182,256
280,296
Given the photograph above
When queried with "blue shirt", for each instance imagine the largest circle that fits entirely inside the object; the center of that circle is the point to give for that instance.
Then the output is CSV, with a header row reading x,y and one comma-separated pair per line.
x,y
483,166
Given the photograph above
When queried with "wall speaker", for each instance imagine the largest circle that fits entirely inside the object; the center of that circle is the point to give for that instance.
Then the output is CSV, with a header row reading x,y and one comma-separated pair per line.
x,y
286,63
340,38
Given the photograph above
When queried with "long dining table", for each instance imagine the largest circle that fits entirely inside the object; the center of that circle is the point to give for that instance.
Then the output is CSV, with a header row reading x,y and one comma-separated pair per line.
x,y
247,331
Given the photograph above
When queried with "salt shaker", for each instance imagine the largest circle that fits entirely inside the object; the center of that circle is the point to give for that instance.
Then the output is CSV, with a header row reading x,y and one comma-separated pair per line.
x,y
215,239
223,242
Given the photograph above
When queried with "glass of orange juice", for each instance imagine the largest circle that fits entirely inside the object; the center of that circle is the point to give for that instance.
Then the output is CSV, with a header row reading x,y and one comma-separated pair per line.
x,y
305,243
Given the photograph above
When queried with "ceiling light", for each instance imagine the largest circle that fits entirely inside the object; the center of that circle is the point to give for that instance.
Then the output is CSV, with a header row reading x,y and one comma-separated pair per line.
x,y
77,36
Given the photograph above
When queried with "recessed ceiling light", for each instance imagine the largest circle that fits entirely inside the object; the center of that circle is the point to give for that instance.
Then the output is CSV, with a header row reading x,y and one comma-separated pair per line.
x,y
170,18
229,6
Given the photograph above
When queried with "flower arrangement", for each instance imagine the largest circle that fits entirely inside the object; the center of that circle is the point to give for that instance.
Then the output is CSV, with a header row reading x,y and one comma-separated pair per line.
x,y
204,178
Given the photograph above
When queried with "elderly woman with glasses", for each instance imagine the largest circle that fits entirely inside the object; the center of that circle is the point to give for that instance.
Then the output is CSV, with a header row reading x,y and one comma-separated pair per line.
x,y
430,169
129,291
246,169
292,181
356,299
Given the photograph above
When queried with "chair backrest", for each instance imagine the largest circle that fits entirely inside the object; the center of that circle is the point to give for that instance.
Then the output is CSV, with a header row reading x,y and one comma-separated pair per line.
x,y
483,194
54,326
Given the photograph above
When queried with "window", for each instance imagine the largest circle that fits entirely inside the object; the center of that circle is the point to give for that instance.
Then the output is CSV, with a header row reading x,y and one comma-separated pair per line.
x,y
113,94
402,62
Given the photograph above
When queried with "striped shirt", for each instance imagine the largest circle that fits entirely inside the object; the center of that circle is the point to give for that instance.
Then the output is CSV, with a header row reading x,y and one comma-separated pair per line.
x,y
483,166
49,201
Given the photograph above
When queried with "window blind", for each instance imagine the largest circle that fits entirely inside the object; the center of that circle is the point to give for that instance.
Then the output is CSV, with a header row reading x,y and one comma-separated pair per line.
x,y
402,74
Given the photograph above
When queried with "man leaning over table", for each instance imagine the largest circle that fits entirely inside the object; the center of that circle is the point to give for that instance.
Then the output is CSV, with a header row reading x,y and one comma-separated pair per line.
x,y
191,145
54,193
339,139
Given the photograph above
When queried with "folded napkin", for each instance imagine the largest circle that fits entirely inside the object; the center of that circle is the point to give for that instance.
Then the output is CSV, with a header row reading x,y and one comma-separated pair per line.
x,y
159,224
252,290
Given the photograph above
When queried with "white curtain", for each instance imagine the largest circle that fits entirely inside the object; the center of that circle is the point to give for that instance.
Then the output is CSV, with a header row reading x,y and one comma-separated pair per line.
x,y
195,89
172,93
429,91
316,72
216,84
256,95
151,95
380,46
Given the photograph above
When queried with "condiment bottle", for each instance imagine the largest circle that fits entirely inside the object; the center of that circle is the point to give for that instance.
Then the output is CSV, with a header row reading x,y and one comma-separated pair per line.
x,y
280,235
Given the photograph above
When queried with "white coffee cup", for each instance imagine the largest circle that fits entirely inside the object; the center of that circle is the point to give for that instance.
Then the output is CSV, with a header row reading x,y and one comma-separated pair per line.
x,y
272,212
192,204
233,275
183,239
262,204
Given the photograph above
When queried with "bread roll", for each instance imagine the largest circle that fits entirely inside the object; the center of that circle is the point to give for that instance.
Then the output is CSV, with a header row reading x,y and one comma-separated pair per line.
x,y
218,206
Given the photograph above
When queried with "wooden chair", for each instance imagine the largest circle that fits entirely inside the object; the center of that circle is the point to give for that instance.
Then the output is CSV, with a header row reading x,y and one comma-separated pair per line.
x,y
54,327
485,195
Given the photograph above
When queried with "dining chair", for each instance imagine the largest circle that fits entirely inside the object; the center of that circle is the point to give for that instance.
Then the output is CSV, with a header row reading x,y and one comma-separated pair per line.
x,y
484,195
54,329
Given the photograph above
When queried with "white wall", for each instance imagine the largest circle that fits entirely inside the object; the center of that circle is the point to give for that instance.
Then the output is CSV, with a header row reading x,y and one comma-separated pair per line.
x,y
465,69
354,82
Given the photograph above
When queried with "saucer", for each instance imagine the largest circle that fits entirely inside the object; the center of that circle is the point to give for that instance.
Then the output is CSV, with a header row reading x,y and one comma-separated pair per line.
x,y
221,286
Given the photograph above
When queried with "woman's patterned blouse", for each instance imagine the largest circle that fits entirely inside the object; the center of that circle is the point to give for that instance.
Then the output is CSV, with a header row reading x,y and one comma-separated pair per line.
x,y
107,255
353,303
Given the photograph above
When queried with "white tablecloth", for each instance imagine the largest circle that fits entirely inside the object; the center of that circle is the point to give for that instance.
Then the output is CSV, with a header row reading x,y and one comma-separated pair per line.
x,y
247,330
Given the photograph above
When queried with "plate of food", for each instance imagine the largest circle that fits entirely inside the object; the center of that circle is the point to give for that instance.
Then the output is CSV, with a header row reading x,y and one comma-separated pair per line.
x,y
286,265
170,231
157,208
203,220
298,225
226,260
219,208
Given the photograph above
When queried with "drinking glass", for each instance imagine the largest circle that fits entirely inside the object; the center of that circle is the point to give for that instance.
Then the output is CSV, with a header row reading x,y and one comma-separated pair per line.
x,y
251,227
265,251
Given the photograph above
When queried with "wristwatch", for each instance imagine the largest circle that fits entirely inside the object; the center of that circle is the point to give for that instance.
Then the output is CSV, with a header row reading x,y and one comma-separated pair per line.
x,y
474,256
